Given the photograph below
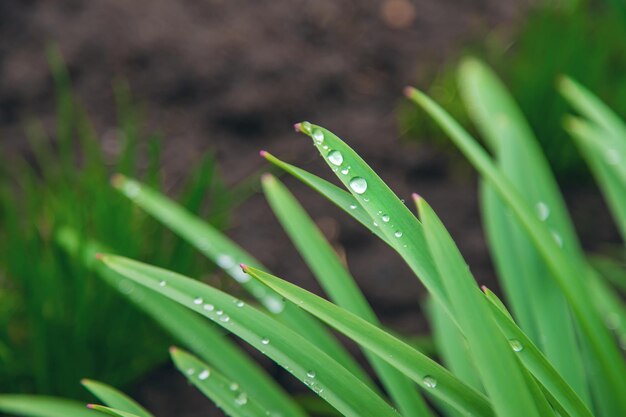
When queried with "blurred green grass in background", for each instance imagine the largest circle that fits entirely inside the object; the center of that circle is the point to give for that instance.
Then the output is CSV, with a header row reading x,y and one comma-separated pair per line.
x,y
58,321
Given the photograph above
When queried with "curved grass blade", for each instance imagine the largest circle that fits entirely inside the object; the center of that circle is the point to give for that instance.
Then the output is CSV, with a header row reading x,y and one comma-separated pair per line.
x,y
593,108
321,373
519,157
429,375
224,392
402,230
192,331
342,199
452,347
114,398
42,406
536,362
495,361
110,411
567,270
228,255
339,284
603,161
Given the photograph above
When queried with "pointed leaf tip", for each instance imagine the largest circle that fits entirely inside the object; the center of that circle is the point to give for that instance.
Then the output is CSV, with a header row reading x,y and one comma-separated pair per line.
x,y
408,91
173,349
416,197
263,153
117,180
297,127
91,406
99,256
267,177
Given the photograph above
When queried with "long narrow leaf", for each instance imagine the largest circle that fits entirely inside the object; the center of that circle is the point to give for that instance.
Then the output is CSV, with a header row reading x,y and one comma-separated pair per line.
x,y
224,392
228,255
429,375
321,373
41,406
114,398
339,284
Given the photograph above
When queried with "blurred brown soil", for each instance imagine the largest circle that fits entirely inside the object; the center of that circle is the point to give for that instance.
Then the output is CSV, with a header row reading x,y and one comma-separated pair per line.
x,y
233,76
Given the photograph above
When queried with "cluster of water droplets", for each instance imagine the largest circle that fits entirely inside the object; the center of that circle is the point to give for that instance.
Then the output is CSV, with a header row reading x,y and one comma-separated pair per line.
x,y
311,382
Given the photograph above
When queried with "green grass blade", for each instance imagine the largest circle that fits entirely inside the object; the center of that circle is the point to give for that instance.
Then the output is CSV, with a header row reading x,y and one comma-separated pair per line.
x,y
321,373
429,375
564,268
592,107
339,284
191,330
110,411
41,406
342,199
603,160
224,392
494,358
228,255
519,157
114,398
452,347
536,362
402,230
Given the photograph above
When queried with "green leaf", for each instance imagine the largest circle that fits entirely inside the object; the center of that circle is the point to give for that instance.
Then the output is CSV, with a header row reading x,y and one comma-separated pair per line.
x,y
114,398
41,406
520,266
492,353
224,392
429,375
192,331
228,255
566,269
110,411
603,160
289,349
536,362
339,284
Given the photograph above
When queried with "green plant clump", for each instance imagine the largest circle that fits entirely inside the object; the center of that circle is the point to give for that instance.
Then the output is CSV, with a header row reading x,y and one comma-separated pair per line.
x,y
555,348
58,321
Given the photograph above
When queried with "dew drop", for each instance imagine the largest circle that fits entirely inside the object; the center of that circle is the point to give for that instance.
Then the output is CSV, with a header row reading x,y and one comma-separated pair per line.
x,y
265,341
225,261
557,238
398,233
385,218
345,171
335,158
225,318
239,303
318,136
162,283
516,345
204,374
429,381
311,374
197,300
209,307
219,312
358,185
375,224
543,211
353,206
190,371
241,399
234,386
131,190
274,304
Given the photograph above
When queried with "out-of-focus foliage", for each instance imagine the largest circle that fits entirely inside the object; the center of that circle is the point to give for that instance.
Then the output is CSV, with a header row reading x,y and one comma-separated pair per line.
x,y
582,39
56,317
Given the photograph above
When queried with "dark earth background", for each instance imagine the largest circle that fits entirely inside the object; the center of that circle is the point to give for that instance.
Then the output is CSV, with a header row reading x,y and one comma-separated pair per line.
x,y
234,75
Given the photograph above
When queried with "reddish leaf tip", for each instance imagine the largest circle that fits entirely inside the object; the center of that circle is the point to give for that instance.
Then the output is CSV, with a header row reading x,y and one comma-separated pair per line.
x,y
99,256
298,127
408,91
263,154
90,406
484,288
173,349
244,267
416,197
117,180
